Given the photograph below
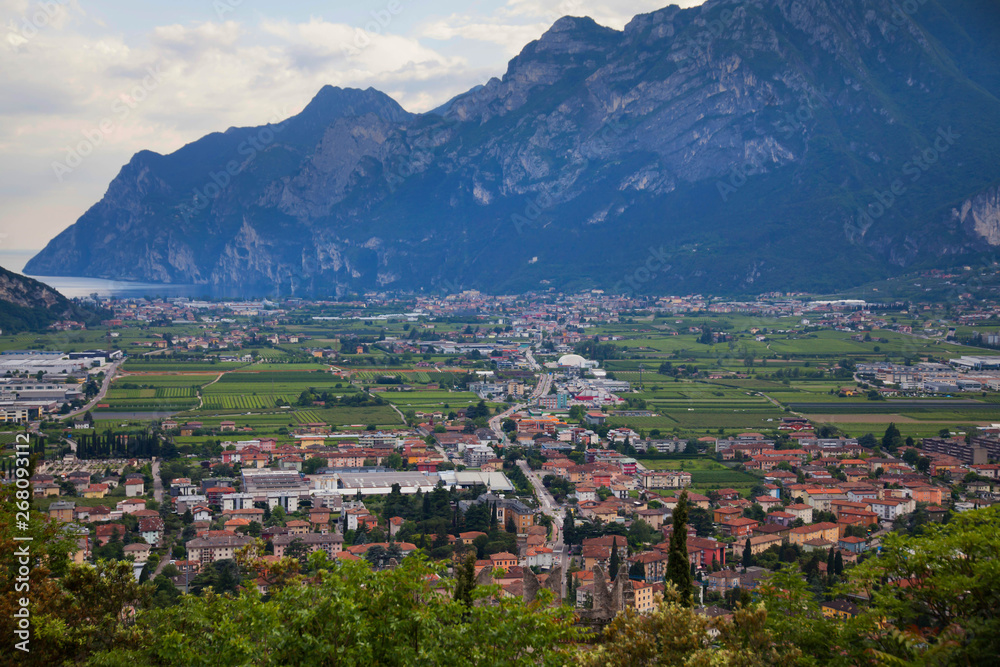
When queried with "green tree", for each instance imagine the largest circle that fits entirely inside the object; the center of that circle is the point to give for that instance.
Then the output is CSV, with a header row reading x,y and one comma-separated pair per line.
x,y
352,615
311,465
755,512
675,634
221,576
394,461
465,580
702,521
892,438
747,554
949,606
93,614
795,620
678,563
615,563
569,528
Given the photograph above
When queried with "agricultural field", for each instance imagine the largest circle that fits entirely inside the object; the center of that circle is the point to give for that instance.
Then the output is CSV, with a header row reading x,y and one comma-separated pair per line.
x,y
379,415
706,474
431,400
688,464
154,396
285,366
215,401
173,366
786,374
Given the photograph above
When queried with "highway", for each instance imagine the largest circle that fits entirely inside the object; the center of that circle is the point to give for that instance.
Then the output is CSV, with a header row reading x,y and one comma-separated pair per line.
x,y
541,389
543,386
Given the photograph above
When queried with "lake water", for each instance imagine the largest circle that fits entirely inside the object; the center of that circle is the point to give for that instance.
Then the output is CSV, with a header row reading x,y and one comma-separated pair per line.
x,y
15,260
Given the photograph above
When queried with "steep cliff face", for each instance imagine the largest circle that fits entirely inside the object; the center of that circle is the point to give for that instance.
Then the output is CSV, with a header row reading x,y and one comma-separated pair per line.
x,y
981,215
754,145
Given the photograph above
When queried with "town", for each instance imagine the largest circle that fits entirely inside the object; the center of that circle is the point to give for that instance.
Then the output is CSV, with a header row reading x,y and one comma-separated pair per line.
x,y
549,439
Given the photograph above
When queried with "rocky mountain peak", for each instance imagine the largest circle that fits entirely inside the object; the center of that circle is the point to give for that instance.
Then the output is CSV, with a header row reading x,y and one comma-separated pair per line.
x,y
573,34
730,141
333,102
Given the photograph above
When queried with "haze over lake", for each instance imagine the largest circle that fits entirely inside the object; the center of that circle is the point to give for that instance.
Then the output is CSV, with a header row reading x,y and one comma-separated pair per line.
x,y
72,287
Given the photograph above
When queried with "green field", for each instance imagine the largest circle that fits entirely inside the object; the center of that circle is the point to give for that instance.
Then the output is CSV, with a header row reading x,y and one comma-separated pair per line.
x,y
171,366
430,400
706,474
791,372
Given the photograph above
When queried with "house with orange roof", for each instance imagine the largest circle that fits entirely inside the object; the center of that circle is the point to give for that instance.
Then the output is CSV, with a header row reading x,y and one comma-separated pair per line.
x,y
839,507
95,491
932,495
644,599
767,502
233,524
818,531
594,555
297,527
470,536
654,564
503,560
738,527
721,514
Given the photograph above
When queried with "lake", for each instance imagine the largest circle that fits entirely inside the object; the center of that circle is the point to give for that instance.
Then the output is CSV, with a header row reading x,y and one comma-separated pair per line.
x,y
14,260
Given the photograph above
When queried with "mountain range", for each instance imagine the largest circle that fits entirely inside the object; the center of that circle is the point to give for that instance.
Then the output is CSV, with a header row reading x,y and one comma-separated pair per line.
x,y
736,147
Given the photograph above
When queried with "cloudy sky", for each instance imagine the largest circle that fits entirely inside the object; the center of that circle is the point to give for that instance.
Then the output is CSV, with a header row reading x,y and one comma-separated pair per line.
x,y
87,83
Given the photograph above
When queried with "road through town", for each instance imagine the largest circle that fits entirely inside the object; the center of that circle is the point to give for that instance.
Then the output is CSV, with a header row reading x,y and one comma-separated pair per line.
x,y
548,506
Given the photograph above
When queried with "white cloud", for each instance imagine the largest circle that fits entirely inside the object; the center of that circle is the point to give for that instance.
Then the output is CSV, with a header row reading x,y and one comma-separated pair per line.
x,y
612,13
65,89
70,76
512,37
